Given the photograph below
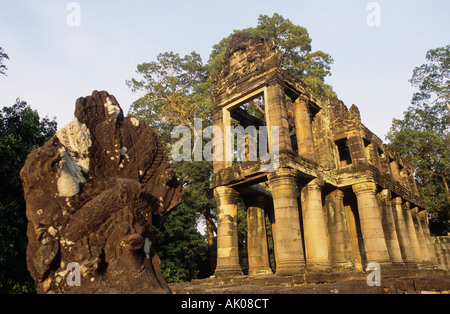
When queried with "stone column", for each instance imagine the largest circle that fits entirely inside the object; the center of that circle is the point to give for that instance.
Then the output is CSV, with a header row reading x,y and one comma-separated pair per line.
x,y
354,228
372,155
356,146
287,234
385,165
404,178
277,116
423,218
414,185
305,140
340,245
420,236
273,226
402,232
227,236
390,233
395,170
314,227
415,247
371,226
219,161
258,253
439,245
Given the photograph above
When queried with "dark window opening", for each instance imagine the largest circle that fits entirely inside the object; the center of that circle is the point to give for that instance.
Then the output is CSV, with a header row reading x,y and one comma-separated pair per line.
x,y
294,143
344,152
246,120
291,122
368,148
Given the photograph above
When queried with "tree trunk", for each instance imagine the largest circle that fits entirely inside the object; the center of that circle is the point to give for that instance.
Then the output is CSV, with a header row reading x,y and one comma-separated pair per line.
x,y
444,179
211,246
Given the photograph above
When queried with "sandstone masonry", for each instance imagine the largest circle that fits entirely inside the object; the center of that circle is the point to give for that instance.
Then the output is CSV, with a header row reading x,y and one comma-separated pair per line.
x,y
340,198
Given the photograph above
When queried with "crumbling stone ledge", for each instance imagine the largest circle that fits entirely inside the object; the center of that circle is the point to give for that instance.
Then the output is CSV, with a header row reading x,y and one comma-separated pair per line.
x,y
408,282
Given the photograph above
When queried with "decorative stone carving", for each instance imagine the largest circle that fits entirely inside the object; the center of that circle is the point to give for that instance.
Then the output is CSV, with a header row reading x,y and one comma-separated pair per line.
x,y
92,193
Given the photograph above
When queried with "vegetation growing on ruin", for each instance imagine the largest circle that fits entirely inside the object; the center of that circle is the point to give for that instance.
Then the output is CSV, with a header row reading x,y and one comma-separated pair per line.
x,y
424,134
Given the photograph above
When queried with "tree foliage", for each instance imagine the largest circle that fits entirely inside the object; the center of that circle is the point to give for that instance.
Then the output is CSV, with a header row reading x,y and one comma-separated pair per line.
x,y
3,56
176,90
21,131
424,134
433,78
181,248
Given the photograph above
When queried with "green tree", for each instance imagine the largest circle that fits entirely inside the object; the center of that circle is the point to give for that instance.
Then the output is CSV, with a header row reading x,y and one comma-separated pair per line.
x,y
176,91
433,78
3,67
181,248
295,45
21,131
424,134
242,236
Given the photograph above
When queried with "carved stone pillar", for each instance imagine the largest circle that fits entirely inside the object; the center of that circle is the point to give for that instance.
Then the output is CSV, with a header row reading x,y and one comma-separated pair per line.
x,y
415,247
314,227
402,232
277,115
413,185
390,233
219,144
371,226
395,170
340,245
258,253
372,155
356,146
273,226
441,247
404,179
227,236
305,138
287,234
423,218
420,236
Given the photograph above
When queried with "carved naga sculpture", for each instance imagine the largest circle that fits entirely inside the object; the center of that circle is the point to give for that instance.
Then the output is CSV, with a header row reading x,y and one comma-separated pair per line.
x,y
92,192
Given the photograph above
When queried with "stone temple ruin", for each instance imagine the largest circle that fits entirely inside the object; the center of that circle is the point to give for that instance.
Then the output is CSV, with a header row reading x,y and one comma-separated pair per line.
x,y
339,200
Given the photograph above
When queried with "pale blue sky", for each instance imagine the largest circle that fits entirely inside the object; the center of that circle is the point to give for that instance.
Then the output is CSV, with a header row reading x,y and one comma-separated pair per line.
x,y
52,64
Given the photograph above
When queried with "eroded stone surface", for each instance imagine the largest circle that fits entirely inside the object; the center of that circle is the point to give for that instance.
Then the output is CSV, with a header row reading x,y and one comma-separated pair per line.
x,y
92,192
